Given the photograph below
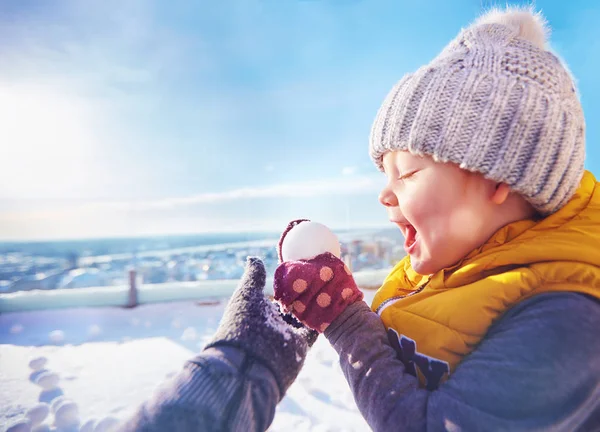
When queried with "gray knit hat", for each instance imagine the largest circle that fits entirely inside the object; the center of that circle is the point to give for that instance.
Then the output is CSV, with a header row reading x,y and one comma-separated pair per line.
x,y
497,102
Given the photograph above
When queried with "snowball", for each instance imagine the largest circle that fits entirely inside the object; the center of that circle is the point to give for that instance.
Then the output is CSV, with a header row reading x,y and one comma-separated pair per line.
x,y
20,426
88,426
48,396
176,323
66,415
16,329
107,424
57,402
57,336
94,330
38,363
189,334
48,380
38,413
307,240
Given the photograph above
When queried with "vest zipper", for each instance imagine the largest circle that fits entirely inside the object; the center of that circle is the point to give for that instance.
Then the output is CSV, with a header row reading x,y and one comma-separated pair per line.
x,y
391,300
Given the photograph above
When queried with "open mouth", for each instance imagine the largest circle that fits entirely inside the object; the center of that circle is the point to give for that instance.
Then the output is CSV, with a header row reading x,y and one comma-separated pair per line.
x,y
410,239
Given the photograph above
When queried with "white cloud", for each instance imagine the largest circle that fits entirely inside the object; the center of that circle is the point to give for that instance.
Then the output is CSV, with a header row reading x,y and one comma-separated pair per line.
x,y
173,215
315,188
348,171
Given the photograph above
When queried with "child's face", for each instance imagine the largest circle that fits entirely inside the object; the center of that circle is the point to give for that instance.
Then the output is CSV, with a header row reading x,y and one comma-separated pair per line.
x,y
443,211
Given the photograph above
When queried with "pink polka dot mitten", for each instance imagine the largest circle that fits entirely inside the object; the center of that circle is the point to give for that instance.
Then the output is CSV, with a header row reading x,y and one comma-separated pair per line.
x,y
316,291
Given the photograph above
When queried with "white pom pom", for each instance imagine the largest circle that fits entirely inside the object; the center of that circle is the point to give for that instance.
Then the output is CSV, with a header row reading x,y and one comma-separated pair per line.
x,y
307,240
529,25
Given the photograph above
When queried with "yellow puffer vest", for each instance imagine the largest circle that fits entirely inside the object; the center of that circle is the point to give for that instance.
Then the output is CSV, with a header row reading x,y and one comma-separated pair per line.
x,y
436,321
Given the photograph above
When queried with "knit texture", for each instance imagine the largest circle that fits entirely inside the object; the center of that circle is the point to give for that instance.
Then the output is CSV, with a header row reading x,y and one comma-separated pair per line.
x,y
316,291
494,101
252,323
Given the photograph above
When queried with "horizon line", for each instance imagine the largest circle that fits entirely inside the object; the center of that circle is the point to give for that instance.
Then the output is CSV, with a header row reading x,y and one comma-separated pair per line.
x,y
182,234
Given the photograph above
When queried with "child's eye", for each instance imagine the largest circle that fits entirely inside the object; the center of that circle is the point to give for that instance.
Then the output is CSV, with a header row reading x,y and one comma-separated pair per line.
x,y
407,175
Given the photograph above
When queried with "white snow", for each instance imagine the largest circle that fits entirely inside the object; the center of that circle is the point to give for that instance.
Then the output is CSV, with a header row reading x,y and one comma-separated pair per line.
x,y
38,413
276,324
107,424
88,426
106,378
20,426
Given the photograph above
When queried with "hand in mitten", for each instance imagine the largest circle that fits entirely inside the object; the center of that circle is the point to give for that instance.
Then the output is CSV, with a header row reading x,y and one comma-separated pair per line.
x,y
316,290
253,323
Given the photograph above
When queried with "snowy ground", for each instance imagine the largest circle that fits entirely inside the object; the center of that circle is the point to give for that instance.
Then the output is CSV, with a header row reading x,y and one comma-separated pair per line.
x,y
108,360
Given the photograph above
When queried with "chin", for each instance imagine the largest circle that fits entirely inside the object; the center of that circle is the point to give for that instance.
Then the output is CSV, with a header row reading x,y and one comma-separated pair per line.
x,y
424,267
420,267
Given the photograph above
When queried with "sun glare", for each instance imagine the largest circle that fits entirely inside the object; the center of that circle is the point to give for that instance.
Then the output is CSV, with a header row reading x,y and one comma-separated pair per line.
x,y
45,143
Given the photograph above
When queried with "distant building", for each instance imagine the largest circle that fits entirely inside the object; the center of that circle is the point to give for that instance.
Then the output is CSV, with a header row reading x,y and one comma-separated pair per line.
x,y
5,286
41,281
72,261
154,275
84,278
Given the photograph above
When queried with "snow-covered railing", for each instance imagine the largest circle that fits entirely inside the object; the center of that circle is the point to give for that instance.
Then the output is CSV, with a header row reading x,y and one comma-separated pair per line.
x,y
146,293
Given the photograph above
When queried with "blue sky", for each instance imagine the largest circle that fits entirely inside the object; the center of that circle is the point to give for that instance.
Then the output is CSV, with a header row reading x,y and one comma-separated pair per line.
x,y
133,117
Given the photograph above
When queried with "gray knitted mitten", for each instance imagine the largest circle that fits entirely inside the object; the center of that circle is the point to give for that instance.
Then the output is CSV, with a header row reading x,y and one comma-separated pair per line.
x,y
253,323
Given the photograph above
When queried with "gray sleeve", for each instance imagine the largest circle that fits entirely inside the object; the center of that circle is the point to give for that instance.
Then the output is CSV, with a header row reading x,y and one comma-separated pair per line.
x,y
222,389
537,368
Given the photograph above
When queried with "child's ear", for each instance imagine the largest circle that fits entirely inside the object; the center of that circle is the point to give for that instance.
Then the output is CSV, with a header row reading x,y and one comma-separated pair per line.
x,y
500,193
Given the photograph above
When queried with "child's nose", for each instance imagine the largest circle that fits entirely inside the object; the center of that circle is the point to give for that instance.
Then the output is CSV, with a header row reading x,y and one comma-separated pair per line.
x,y
388,198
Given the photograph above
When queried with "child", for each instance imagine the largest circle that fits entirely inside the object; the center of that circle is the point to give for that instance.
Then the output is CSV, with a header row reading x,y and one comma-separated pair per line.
x,y
491,321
